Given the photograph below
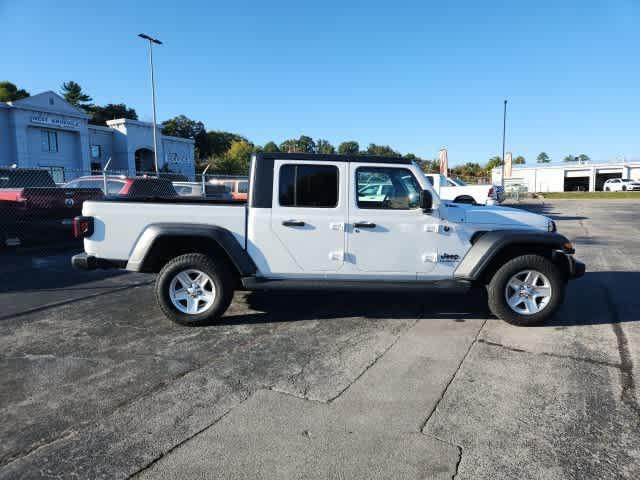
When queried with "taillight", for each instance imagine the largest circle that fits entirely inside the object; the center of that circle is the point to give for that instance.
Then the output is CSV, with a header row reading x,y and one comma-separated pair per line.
x,y
82,227
491,191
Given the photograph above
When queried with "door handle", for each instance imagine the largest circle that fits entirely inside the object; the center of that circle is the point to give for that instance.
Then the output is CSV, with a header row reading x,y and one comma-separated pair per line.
x,y
293,223
364,225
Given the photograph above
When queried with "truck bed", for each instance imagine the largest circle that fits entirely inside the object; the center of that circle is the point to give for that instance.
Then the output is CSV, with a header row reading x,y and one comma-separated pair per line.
x,y
119,223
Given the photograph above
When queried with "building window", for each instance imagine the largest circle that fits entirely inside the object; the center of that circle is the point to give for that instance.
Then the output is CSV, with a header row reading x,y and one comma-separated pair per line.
x,y
49,140
309,186
96,167
57,173
96,151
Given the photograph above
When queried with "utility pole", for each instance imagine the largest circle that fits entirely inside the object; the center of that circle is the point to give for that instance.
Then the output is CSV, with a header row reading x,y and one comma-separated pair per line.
x,y
504,132
153,95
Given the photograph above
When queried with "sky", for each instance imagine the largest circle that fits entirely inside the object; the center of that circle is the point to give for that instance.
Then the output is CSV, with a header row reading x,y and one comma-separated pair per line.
x,y
415,75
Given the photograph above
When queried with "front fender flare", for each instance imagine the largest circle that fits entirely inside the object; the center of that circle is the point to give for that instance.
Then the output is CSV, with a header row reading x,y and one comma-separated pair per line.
x,y
491,243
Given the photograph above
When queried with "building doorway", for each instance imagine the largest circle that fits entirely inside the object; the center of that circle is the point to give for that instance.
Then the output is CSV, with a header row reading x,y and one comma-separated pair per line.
x,y
144,161
576,184
603,177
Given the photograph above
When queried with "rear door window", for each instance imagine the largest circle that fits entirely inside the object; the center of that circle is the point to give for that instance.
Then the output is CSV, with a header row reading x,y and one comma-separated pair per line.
x,y
314,186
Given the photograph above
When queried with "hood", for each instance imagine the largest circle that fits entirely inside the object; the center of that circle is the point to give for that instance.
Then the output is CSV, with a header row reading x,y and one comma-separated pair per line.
x,y
496,216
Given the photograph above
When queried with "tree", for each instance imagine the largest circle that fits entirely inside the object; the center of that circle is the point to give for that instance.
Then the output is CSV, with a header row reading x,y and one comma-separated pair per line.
x,y
381,150
10,93
430,166
493,162
569,158
235,161
111,111
270,147
324,147
304,144
72,93
583,158
519,160
183,127
543,158
349,148
469,169
219,142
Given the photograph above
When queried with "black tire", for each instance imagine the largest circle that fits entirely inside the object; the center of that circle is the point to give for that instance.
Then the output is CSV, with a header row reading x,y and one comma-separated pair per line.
x,y
607,189
220,275
624,188
465,199
498,285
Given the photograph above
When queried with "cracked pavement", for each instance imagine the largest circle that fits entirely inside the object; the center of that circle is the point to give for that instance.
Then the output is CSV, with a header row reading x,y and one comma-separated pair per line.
x,y
98,384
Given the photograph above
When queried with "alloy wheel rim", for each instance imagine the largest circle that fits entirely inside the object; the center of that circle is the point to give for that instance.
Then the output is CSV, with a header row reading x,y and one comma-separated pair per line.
x,y
528,292
192,291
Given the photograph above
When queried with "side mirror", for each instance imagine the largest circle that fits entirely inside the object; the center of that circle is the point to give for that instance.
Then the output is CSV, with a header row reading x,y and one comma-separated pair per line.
x,y
426,200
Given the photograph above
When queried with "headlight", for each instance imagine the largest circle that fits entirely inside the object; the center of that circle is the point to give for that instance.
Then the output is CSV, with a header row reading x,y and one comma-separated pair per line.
x,y
551,226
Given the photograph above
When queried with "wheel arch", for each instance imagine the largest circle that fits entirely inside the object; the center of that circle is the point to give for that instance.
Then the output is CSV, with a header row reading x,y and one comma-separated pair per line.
x,y
159,243
492,249
464,199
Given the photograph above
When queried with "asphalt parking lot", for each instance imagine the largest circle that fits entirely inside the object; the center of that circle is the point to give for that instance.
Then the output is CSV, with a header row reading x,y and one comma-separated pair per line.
x,y
96,383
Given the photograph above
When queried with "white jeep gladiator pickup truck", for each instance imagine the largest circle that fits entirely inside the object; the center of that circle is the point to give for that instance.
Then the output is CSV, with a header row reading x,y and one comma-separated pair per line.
x,y
310,223
455,189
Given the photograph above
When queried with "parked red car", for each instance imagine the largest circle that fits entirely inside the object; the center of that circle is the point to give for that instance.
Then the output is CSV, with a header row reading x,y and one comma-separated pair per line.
x,y
239,187
127,186
33,207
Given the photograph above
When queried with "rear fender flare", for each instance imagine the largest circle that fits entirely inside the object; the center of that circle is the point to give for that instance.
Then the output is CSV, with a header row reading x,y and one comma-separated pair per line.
x,y
142,253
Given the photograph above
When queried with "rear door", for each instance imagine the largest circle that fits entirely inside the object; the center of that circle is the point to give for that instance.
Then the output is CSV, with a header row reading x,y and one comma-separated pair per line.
x,y
308,217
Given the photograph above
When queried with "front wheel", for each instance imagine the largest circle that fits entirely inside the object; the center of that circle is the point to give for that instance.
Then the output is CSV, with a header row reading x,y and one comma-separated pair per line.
x,y
526,290
194,289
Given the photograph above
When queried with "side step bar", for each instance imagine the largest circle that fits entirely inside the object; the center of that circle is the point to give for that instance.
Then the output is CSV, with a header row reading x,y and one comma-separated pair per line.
x,y
457,286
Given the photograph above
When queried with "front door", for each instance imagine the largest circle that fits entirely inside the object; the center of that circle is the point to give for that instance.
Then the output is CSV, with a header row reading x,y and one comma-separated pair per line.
x,y
308,217
389,235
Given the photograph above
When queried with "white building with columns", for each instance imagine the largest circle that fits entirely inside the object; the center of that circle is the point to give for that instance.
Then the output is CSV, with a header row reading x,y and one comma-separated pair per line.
x,y
45,131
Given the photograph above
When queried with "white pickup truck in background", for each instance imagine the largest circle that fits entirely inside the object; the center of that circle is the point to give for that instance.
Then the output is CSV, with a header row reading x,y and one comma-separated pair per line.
x,y
458,191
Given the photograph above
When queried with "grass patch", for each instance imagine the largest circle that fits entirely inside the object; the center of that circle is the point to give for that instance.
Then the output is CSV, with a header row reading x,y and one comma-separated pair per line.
x,y
598,195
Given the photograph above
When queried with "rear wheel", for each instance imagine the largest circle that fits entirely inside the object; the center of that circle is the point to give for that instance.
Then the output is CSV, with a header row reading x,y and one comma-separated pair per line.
x,y
607,189
526,290
194,289
624,188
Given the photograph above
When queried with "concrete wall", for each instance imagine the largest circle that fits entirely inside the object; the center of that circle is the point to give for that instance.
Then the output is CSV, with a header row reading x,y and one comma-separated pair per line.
x,y
6,138
103,138
179,155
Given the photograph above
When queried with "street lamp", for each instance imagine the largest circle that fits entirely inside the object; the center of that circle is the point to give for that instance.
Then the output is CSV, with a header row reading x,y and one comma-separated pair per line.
x,y
153,94
504,131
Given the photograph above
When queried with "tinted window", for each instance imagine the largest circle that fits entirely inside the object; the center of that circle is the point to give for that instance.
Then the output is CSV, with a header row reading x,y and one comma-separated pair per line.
x,y
430,180
152,187
399,188
243,187
309,186
90,184
114,187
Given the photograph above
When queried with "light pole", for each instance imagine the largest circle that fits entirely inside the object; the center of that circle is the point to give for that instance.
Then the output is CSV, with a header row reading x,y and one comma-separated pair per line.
x,y
153,95
504,131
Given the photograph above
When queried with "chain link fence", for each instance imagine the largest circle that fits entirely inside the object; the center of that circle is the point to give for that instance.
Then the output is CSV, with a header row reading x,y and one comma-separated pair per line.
x,y
37,205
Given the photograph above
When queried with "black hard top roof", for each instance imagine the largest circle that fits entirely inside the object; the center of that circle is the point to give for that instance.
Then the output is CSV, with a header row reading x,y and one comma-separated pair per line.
x,y
316,157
